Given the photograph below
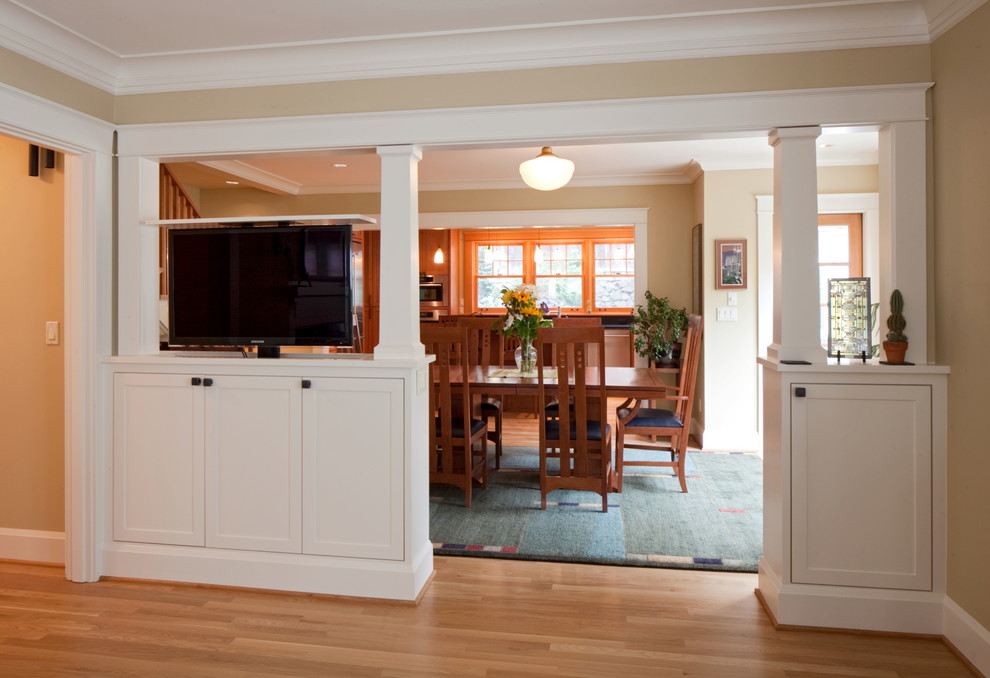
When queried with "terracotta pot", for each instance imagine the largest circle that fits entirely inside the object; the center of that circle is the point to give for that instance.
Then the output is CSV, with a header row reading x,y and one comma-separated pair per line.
x,y
895,350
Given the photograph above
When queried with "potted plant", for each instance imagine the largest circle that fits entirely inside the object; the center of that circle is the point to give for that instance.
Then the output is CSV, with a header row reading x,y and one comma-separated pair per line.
x,y
897,342
657,328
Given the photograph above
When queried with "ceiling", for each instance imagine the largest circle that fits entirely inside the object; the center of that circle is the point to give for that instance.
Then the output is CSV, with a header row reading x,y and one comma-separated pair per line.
x,y
127,47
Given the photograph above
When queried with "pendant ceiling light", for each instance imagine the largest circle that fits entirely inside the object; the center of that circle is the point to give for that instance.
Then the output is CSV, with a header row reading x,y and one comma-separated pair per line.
x,y
546,172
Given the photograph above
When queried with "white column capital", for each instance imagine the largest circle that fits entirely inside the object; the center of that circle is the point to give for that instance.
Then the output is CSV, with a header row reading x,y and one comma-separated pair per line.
x,y
783,133
402,150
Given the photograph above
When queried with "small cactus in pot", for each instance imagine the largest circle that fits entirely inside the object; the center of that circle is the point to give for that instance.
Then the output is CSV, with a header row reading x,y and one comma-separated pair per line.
x,y
897,342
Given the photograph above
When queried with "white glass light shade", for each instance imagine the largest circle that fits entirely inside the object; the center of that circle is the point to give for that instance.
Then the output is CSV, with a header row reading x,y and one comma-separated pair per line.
x,y
438,256
546,172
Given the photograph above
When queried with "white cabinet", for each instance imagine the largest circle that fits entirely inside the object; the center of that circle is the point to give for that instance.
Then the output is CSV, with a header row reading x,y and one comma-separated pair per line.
x,y
253,463
264,463
861,483
352,483
158,459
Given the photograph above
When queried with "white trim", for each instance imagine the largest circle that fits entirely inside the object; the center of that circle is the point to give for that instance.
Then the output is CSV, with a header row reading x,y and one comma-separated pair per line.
x,y
657,118
827,26
529,218
396,580
87,144
967,635
38,546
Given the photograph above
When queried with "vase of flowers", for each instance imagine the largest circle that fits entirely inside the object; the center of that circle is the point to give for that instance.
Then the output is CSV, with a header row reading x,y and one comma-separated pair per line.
x,y
523,316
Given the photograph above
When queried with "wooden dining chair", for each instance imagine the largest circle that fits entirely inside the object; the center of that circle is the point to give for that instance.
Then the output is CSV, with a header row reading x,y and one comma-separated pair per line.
x,y
458,451
551,409
667,430
580,438
484,349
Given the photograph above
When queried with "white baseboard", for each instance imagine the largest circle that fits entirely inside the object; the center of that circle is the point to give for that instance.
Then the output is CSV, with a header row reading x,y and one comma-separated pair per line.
x,y
842,607
362,577
37,546
967,636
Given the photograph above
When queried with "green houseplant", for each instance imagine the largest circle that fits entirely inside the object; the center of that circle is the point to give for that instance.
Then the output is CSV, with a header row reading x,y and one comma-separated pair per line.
x,y
896,343
657,328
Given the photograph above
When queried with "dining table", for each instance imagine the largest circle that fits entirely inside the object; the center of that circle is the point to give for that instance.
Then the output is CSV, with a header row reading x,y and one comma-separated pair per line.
x,y
642,383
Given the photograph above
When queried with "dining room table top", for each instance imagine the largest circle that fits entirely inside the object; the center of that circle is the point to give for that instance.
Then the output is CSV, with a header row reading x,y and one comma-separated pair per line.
x,y
620,382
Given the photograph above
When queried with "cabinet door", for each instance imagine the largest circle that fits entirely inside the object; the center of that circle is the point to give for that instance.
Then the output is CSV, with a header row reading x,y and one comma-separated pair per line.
x,y
158,459
861,485
253,463
352,468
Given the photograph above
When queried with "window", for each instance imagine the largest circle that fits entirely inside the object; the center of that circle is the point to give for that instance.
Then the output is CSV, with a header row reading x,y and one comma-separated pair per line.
x,y
559,278
498,266
575,270
614,280
840,255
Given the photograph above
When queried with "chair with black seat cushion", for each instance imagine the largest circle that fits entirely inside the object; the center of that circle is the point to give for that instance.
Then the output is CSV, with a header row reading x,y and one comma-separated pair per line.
x,y
673,426
551,410
458,452
580,438
484,347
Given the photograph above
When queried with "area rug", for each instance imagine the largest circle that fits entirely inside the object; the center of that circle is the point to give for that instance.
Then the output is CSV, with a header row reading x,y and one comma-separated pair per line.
x,y
716,525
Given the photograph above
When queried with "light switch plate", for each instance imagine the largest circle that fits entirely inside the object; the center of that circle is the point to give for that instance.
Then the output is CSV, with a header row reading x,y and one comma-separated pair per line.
x,y
732,299
51,332
726,314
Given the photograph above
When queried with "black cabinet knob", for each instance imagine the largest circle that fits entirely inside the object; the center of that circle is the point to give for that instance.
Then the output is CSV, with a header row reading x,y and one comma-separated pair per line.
x,y
196,381
800,392
207,382
306,383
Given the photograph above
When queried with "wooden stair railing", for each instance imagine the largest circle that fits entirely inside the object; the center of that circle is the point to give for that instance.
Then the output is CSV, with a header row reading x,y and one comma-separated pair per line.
x,y
173,203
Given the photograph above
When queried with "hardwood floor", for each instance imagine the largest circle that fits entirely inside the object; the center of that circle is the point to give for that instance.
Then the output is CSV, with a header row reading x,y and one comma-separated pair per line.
x,y
479,617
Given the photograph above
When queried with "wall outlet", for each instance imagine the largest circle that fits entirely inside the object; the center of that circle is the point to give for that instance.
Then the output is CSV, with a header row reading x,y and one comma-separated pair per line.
x,y
731,298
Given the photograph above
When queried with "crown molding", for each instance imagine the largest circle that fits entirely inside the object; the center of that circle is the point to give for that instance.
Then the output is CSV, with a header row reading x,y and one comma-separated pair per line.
x,y
790,29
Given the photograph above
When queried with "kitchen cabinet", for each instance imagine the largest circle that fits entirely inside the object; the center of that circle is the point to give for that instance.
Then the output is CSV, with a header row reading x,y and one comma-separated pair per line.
x,y
429,241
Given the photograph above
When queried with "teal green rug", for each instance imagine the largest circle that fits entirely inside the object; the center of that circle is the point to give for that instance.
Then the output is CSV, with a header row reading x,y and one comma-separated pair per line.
x,y
717,525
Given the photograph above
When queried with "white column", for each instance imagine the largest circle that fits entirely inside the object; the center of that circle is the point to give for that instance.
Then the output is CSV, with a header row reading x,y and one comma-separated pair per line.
x,y
796,334
903,232
137,257
399,316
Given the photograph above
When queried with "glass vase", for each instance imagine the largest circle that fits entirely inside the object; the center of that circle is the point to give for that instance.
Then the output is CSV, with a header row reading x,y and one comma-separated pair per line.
x,y
526,358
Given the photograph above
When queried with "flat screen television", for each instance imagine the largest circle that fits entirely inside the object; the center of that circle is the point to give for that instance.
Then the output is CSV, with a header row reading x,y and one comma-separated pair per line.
x,y
263,286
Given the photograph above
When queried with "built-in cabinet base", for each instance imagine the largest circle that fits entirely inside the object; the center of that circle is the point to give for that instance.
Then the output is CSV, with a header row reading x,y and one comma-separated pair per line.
x,y
854,496
304,474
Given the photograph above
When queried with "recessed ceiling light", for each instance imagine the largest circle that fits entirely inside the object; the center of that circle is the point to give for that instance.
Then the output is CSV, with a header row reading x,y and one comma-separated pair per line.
x,y
233,183
340,164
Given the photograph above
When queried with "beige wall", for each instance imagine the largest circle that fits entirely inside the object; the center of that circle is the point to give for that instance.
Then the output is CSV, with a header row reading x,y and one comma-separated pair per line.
x,y
756,73
31,392
30,76
961,111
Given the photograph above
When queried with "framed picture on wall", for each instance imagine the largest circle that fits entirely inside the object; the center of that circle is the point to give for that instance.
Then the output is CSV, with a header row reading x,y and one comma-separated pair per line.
x,y
730,264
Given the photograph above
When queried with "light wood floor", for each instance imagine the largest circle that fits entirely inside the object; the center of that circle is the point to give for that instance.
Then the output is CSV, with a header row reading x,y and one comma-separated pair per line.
x,y
479,617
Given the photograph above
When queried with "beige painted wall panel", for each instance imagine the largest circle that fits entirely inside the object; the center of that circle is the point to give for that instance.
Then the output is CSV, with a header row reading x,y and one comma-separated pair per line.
x,y
30,76
961,114
31,391
838,68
